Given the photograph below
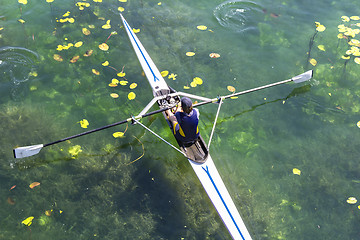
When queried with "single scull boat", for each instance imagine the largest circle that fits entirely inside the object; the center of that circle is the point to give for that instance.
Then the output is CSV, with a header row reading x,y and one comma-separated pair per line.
x,y
206,171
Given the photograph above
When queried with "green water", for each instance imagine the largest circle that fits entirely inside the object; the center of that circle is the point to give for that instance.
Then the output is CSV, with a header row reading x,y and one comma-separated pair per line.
x,y
259,139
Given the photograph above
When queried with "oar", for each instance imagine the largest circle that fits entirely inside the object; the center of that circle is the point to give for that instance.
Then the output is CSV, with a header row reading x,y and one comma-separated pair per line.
x,y
297,79
28,151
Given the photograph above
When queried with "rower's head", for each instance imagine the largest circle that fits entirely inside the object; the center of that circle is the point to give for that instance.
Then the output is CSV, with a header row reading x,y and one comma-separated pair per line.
x,y
186,105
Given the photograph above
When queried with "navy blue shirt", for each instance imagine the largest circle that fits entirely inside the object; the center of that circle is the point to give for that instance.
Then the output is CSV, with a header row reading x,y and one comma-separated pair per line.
x,y
187,128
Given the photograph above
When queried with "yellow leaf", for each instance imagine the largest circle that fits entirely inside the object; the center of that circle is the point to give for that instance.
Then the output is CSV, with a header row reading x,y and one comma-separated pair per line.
x,y
136,30
358,124
78,44
296,171
193,84
23,1
75,150
159,3
1,28
104,47
340,36
92,26
355,18
345,57
320,28
313,61
85,31
114,95
121,9
214,55
28,221
118,134
71,20
345,18
198,80
122,0
190,54
173,76
231,88
351,200
97,0
96,72
107,25
357,60
186,87
201,27
21,20
34,184
106,63
66,14
123,82
133,85
164,73
115,81
74,59
84,123
121,74
131,96
49,1
112,85
58,58
321,47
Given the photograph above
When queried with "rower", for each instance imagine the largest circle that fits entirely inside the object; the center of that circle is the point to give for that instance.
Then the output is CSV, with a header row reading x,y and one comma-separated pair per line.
x,y
185,122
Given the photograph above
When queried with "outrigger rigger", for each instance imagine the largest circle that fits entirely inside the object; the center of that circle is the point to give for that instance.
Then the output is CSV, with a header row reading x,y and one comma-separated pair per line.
x,y
196,152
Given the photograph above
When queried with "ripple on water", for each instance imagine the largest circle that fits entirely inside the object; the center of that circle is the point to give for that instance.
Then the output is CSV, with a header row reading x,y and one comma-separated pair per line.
x,y
238,15
16,64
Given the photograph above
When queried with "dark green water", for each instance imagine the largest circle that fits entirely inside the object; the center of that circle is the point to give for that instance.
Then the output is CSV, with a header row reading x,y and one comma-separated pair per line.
x,y
259,138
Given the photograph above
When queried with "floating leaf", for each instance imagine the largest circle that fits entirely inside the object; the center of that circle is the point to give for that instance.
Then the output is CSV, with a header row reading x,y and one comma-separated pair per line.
x,y
34,184
21,20
198,80
12,187
351,200
28,221
118,134
296,171
88,53
75,150
214,55
164,73
86,31
190,54
104,47
133,85
231,88
58,58
345,18
172,76
112,85
321,47
84,123
121,74
78,44
186,87
107,25
201,27
114,81
193,84
345,57
136,30
131,95
114,95
121,9
313,61
97,0
49,1
355,18
23,1
123,82
320,28
74,59
96,72
10,201
106,63
159,3
357,60
48,212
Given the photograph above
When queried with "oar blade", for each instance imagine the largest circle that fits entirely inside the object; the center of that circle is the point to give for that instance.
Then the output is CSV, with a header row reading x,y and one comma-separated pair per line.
x,y
27,151
303,77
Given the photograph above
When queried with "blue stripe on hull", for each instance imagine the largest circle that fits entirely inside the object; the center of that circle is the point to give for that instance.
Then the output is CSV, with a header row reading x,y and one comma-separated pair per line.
x,y
222,199
132,35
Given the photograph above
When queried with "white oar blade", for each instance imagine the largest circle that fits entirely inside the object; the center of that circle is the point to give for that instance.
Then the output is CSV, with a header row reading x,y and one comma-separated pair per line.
x,y
27,151
303,77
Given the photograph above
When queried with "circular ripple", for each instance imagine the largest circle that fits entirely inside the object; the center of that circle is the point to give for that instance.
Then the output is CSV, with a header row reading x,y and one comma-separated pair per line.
x,y
239,16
